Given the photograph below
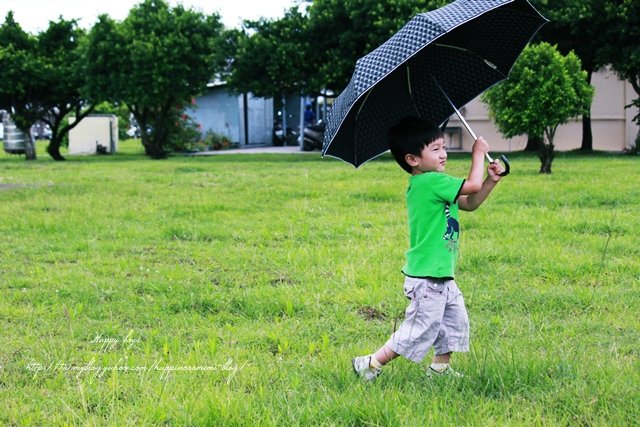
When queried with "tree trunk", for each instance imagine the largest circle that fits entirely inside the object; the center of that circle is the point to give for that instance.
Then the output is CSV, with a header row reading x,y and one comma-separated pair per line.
x,y
587,135
152,148
29,146
546,157
152,134
533,143
54,149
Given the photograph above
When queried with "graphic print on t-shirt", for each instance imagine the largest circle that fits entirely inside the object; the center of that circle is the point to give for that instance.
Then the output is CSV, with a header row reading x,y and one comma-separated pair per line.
x,y
452,233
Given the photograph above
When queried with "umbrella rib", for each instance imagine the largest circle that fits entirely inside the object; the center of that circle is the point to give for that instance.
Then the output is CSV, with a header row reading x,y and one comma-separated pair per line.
x,y
364,101
486,61
355,150
415,107
464,122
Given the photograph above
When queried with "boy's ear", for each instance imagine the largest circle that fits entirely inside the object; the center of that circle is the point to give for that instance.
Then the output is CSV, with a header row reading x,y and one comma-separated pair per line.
x,y
411,160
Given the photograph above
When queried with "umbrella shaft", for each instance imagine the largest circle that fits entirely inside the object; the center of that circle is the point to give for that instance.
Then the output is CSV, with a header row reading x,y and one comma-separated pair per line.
x,y
464,122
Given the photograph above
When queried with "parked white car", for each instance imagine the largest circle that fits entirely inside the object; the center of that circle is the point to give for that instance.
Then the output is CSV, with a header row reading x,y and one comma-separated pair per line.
x,y
133,132
41,130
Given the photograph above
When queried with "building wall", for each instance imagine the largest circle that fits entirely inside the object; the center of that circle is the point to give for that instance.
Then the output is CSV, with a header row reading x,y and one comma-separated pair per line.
x,y
632,128
94,129
611,124
218,111
223,113
260,117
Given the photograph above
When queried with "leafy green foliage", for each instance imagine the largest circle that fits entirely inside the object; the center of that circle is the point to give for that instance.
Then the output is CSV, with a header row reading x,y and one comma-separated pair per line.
x,y
217,141
273,57
61,48
43,77
317,51
544,90
155,61
22,84
187,133
188,137
571,23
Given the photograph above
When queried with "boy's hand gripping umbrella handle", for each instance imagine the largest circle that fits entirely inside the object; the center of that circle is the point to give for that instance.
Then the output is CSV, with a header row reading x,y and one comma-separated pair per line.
x,y
505,163
503,158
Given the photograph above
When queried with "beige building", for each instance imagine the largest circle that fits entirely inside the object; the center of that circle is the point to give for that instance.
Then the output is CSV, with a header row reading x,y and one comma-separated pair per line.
x,y
96,133
612,125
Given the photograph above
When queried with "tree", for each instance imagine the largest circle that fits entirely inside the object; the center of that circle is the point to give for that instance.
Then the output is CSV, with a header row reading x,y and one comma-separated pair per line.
x,y
21,79
41,79
622,48
579,26
271,59
316,52
154,61
59,48
544,90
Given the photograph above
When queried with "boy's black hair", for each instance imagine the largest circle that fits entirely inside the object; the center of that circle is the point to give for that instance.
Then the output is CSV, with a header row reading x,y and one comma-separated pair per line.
x,y
410,136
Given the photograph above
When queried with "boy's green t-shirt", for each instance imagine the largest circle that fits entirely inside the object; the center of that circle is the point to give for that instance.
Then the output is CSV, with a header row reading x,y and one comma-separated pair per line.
x,y
434,230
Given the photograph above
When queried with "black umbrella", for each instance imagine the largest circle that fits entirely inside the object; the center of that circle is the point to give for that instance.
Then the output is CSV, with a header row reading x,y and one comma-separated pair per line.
x,y
438,62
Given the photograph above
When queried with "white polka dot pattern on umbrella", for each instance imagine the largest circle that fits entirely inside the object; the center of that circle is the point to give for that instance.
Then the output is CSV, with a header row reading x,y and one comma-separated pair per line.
x,y
466,47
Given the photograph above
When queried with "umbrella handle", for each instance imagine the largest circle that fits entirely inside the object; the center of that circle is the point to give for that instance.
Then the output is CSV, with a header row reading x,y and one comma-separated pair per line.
x,y
504,160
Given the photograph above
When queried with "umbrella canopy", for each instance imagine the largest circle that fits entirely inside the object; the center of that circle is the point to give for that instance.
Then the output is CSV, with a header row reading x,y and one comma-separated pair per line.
x,y
439,61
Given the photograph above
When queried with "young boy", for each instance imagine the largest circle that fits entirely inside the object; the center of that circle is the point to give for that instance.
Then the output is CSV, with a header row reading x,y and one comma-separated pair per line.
x,y
436,316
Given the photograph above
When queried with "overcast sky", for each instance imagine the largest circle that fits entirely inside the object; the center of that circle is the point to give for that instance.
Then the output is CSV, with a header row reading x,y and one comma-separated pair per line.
x,y
34,15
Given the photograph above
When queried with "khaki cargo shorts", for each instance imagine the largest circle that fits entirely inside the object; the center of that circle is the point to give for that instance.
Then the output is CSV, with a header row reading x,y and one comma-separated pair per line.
x,y
436,317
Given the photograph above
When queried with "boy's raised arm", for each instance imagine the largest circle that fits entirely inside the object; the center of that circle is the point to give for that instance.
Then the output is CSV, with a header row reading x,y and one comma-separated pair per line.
x,y
473,184
473,201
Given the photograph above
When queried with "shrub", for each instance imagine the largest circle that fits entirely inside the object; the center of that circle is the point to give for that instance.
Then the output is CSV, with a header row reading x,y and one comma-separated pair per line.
x,y
545,89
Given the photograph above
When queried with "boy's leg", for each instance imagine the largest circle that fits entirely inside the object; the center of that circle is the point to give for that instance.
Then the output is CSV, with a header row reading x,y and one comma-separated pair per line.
x,y
442,358
440,364
454,333
369,367
385,355
423,319
416,333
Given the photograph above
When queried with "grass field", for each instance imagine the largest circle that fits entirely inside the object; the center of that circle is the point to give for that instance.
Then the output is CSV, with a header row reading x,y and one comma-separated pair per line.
x,y
234,290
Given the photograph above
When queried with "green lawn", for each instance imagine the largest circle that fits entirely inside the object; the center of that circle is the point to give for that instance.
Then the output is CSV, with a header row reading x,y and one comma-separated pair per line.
x,y
266,274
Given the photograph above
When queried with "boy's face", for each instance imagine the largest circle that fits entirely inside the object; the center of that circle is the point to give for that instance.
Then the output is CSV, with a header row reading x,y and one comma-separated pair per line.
x,y
432,158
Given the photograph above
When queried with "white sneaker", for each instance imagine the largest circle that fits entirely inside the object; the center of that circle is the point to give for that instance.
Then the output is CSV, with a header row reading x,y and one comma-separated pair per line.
x,y
432,373
362,367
